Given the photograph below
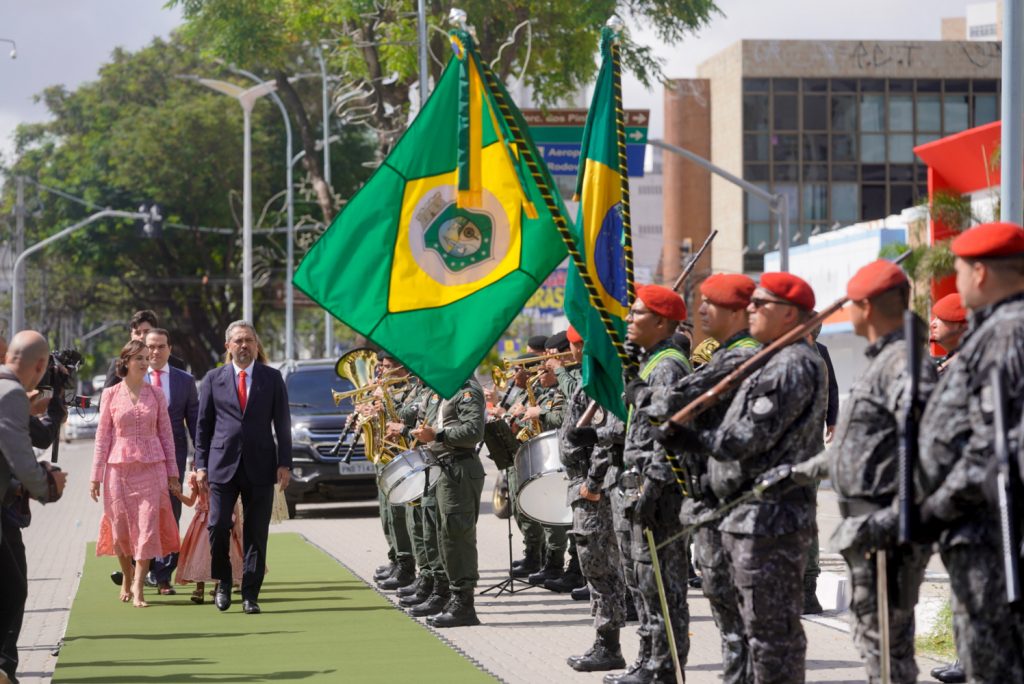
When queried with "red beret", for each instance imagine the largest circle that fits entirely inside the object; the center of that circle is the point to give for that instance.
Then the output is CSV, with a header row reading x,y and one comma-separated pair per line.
x,y
662,301
574,337
730,290
950,309
789,287
874,279
990,240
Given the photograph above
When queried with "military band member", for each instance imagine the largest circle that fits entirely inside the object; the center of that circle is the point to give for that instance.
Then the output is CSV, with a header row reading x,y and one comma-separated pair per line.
x,y
775,418
723,314
863,465
956,450
586,463
649,497
453,439
949,323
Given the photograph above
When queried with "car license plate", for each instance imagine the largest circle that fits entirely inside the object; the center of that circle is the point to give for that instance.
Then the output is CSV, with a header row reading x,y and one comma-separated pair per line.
x,y
358,468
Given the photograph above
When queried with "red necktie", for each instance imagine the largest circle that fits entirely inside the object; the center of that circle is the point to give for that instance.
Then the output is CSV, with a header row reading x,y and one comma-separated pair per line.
x,y
243,394
156,379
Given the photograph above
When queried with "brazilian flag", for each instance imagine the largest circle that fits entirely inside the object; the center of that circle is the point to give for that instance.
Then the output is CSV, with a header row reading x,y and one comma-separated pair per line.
x,y
599,282
440,250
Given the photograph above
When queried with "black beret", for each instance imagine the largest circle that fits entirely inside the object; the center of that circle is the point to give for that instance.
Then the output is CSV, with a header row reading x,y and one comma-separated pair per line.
x,y
536,342
559,342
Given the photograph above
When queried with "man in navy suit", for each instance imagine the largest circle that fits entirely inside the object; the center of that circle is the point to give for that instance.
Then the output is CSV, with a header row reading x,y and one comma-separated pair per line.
x,y
179,389
243,406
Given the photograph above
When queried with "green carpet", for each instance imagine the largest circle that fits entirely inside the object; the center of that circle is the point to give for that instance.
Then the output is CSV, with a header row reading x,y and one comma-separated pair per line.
x,y
319,624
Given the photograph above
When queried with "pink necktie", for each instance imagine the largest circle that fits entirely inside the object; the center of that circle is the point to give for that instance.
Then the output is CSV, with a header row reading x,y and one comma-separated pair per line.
x,y
243,394
156,379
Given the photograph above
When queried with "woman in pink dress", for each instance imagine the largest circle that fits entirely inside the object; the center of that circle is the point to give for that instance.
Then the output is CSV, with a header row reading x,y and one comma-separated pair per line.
x,y
134,459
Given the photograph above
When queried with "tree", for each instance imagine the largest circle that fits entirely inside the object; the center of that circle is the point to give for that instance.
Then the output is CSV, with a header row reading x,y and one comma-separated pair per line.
x,y
136,134
372,44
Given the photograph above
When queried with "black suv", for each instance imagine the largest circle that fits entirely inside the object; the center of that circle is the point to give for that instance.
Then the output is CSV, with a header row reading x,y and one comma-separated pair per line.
x,y
316,425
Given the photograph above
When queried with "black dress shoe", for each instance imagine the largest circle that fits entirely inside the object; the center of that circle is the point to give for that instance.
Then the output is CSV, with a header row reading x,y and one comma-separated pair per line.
x,y
222,599
581,594
250,607
117,577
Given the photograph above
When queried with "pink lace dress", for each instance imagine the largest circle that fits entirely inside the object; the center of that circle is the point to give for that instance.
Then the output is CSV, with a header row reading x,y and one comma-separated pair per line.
x,y
134,458
194,558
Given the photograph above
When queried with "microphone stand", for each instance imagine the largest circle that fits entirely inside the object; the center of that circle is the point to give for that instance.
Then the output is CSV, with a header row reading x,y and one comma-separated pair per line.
x,y
508,585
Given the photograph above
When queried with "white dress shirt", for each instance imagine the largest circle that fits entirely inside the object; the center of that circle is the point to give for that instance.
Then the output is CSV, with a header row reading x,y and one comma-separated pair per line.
x,y
165,380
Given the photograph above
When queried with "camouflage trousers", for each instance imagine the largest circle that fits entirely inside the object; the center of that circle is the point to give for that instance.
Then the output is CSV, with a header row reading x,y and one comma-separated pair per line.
x,y
989,636
599,561
638,573
768,573
721,594
864,613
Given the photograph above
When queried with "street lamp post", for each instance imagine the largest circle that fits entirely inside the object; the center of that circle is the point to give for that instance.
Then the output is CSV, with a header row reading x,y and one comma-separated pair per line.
x,y
247,98
328,318
289,291
14,47
17,289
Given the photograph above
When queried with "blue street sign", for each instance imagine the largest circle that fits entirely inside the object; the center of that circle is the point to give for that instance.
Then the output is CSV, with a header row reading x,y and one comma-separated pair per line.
x,y
563,159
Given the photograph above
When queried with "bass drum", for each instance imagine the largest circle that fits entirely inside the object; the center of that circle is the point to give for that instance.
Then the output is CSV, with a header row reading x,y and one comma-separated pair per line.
x,y
542,481
403,478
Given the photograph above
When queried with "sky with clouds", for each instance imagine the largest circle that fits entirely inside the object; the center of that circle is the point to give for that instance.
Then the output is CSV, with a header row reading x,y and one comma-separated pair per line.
x,y
66,41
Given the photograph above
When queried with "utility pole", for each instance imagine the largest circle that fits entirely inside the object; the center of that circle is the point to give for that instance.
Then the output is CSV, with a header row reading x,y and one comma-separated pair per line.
x,y
1011,208
19,233
328,318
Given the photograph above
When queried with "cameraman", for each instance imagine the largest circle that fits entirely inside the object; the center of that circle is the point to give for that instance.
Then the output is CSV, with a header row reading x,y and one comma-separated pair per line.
x,y
20,474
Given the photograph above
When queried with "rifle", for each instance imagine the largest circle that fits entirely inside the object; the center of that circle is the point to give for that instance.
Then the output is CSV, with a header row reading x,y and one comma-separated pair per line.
x,y
1006,486
747,368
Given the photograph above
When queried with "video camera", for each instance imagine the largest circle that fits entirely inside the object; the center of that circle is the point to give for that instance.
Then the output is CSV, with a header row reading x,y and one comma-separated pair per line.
x,y
61,377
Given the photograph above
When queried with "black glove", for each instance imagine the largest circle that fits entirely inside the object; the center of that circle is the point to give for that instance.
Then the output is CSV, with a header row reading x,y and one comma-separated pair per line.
x,y
633,387
678,439
647,504
929,527
582,436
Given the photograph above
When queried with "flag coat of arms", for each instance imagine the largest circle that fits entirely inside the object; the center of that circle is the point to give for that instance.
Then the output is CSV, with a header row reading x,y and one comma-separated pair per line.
x,y
439,251
602,240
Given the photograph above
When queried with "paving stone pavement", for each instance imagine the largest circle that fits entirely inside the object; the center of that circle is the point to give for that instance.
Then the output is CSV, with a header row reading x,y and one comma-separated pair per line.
x,y
525,638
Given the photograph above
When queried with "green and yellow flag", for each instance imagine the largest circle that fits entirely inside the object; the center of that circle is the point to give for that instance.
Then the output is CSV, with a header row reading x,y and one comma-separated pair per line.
x,y
439,251
599,285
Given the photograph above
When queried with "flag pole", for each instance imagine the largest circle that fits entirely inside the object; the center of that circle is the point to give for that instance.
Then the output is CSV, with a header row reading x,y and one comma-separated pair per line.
x,y
616,25
515,128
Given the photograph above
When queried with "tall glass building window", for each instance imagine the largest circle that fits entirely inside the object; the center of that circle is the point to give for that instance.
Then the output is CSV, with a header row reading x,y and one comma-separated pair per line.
x,y
842,149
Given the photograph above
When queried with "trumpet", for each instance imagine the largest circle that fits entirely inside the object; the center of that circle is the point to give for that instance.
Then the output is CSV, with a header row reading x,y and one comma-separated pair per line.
x,y
365,389
537,358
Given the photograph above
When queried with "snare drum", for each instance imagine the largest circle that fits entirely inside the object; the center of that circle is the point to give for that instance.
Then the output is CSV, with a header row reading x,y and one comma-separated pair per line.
x,y
402,478
542,481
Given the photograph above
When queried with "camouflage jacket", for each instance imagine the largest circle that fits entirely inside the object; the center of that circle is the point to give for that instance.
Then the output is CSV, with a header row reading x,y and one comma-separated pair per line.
x,y
658,404
587,464
864,455
665,366
956,433
775,418
552,407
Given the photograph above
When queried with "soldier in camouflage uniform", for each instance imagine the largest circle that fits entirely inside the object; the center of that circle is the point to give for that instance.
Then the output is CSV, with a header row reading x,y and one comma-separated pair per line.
x,y
586,463
724,298
775,418
453,437
647,496
948,325
863,465
956,450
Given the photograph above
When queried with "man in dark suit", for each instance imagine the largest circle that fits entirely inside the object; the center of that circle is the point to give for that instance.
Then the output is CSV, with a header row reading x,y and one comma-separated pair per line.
x,y
236,454
179,389
139,326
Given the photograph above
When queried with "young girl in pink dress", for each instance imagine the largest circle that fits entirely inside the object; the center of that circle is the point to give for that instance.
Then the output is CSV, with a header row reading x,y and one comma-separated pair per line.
x,y
194,557
134,467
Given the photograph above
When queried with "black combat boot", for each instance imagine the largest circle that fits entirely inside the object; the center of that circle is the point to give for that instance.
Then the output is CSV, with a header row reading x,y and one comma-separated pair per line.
x,y
571,578
421,594
581,593
435,603
552,569
410,589
384,571
458,613
951,674
405,575
811,604
604,655
638,664
528,564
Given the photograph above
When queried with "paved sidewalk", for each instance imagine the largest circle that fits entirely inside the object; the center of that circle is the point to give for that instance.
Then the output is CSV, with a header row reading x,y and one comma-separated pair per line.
x,y
524,638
